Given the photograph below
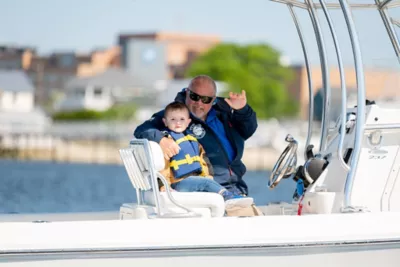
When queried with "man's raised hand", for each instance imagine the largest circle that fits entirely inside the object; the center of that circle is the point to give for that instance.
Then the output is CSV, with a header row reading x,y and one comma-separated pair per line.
x,y
236,100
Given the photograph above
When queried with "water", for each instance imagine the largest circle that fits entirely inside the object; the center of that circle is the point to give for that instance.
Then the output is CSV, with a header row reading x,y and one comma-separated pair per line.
x,y
47,187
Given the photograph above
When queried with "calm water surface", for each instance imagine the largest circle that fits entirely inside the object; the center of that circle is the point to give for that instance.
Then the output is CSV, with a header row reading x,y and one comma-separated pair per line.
x,y
41,187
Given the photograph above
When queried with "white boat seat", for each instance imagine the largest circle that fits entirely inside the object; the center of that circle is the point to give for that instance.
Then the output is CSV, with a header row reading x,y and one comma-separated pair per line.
x,y
143,170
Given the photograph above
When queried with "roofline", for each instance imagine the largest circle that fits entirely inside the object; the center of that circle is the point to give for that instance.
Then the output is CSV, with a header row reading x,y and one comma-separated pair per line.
x,y
166,35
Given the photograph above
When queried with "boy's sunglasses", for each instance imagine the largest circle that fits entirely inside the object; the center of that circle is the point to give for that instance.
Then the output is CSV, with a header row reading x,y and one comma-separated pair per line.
x,y
204,99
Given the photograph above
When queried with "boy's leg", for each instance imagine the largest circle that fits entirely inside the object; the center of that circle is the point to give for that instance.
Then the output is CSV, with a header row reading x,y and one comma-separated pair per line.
x,y
197,184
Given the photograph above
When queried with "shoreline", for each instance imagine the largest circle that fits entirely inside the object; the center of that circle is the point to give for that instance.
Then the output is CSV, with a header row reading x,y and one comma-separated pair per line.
x,y
106,152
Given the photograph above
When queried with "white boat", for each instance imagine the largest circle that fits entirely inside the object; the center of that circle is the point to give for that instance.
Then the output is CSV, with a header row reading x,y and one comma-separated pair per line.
x,y
349,214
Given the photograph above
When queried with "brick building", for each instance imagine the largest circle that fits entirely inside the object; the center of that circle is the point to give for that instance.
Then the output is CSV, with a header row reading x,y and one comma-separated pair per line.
x,y
381,85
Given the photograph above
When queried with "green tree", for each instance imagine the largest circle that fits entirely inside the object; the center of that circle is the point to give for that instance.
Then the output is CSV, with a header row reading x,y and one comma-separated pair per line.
x,y
255,68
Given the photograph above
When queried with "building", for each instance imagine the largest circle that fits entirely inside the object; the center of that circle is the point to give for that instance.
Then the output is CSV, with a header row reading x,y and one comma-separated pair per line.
x,y
100,91
161,55
17,109
381,85
49,73
15,58
150,57
16,91
100,60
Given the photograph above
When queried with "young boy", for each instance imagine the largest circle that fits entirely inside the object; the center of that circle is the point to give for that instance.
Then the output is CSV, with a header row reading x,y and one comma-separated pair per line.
x,y
188,170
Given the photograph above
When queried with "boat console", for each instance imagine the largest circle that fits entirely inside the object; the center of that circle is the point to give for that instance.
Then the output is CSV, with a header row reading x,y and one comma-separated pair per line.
x,y
324,177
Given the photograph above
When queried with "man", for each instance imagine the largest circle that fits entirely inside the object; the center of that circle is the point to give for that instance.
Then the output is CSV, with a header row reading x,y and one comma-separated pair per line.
x,y
220,125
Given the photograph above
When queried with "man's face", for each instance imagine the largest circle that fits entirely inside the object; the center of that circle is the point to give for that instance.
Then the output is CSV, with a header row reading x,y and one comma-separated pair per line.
x,y
199,99
177,120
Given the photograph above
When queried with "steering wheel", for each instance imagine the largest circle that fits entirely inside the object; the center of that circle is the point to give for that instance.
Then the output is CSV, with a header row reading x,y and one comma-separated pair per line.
x,y
286,164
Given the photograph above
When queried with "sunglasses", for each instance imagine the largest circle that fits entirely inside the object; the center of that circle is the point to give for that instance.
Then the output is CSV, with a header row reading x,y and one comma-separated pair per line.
x,y
204,99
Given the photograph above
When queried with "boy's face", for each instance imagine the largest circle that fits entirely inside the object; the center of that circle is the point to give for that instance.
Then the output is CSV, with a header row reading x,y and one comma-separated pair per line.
x,y
177,120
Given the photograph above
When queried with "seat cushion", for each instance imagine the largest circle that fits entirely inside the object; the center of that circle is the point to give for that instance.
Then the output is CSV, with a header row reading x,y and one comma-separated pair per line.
x,y
191,200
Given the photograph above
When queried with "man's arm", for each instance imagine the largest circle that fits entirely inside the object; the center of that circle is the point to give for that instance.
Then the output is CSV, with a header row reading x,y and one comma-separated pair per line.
x,y
151,129
241,115
244,121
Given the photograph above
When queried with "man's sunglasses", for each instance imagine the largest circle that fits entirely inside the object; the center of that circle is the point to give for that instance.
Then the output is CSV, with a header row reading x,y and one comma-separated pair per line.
x,y
195,97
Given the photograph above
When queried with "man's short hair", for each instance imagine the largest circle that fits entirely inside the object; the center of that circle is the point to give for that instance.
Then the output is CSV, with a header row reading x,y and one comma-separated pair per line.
x,y
175,106
201,79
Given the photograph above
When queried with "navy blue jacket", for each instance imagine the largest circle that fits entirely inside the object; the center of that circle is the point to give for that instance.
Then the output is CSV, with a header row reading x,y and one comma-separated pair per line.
x,y
239,126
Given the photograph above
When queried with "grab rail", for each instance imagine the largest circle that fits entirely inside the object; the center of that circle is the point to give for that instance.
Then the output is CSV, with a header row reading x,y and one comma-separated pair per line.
x,y
309,79
360,119
342,86
325,74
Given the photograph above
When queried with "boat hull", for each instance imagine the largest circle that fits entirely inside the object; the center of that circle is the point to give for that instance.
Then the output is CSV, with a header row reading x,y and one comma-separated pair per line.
x,y
361,254
359,239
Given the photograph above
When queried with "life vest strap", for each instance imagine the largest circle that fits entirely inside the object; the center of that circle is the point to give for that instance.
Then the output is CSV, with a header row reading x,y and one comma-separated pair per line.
x,y
187,160
186,138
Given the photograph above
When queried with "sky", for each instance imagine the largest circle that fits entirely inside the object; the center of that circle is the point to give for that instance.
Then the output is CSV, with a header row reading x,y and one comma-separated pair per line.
x,y
84,25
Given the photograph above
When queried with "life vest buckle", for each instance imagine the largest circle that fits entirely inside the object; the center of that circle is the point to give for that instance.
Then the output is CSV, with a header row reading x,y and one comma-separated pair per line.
x,y
189,159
